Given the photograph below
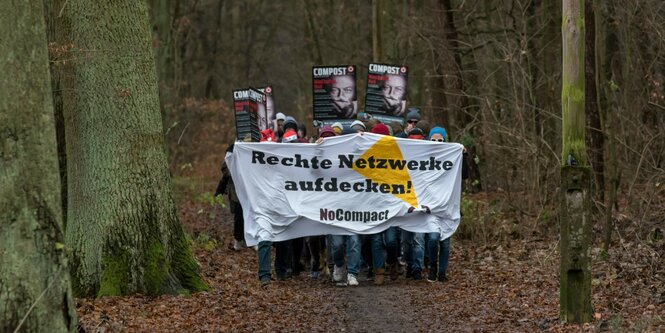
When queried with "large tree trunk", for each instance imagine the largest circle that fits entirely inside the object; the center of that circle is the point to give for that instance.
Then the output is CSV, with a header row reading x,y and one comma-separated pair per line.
x,y
35,290
575,217
122,223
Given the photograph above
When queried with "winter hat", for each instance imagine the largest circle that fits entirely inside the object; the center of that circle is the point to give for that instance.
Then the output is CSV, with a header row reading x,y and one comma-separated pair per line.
x,y
280,116
381,129
291,123
267,136
414,113
290,135
358,123
439,130
326,131
337,127
416,133
348,130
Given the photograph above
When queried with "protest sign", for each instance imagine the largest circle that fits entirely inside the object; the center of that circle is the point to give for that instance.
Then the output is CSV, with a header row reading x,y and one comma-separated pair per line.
x,y
270,107
385,97
334,93
350,184
250,113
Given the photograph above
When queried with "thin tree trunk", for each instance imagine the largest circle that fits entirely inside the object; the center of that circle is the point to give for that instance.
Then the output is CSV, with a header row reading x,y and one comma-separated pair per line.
x,y
575,269
54,53
123,228
594,137
460,107
35,289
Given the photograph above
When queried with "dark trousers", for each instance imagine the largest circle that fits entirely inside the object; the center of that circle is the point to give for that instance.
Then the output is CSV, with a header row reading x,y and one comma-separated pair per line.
x,y
238,223
315,244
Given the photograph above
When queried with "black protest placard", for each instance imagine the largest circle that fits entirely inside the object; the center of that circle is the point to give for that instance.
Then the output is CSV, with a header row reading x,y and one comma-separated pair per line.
x,y
385,97
250,113
334,93
271,114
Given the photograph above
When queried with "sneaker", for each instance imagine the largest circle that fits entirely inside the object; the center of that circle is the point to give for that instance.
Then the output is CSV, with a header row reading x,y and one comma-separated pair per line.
x,y
338,274
442,277
255,248
237,245
351,280
314,275
265,281
416,275
431,276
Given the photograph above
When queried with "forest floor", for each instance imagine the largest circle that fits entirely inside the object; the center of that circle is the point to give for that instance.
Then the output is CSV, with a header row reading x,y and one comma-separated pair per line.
x,y
502,286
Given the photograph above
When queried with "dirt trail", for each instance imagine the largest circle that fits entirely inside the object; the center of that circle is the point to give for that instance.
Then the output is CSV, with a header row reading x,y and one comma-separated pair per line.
x,y
384,308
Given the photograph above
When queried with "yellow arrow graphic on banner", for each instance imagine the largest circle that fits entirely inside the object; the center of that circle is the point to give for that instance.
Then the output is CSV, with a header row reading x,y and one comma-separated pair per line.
x,y
387,148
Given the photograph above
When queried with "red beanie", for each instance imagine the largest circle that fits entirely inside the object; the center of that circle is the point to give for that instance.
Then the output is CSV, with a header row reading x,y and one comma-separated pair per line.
x,y
290,136
381,129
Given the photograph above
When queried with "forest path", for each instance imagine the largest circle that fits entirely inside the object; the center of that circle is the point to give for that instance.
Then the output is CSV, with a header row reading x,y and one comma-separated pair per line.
x,y
385,308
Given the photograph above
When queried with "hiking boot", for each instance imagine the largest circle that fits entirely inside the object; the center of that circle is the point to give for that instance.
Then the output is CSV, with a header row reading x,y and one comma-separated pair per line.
x,y
431,276
394,271
351,280
378,279
338,274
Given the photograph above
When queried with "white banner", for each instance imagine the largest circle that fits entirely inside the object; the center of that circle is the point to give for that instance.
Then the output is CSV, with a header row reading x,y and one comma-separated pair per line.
x,y
359,184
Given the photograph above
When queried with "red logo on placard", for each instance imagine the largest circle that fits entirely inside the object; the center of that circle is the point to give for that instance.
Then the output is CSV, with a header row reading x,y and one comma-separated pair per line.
x,y
403,69
268,89
350,69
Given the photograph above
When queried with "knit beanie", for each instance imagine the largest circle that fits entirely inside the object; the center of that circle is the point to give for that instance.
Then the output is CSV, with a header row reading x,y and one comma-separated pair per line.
x,y
326,131
348,130
414,113
381,129
337,127
290,136
438,130
358,123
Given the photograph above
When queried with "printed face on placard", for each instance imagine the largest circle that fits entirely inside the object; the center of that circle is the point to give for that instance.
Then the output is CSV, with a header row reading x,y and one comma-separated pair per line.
x,y
342,94
393,91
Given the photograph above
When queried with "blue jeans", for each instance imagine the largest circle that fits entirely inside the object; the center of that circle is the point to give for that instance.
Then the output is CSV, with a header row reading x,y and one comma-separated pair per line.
x,y
440,249
414,246
281,251
384,248
352,252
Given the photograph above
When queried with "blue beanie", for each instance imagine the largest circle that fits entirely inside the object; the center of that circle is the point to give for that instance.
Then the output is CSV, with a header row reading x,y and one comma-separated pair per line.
x,y
439,130
414,113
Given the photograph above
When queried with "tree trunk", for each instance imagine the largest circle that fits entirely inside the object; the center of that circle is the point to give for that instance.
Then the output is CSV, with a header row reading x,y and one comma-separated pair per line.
x,y
575,274
35,290
377,34
122,223
594,139
54,52
459,107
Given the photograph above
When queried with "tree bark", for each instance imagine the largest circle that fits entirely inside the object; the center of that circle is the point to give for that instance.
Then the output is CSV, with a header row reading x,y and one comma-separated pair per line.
x,y
594,128
122,222
459,102
575,269
35,290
